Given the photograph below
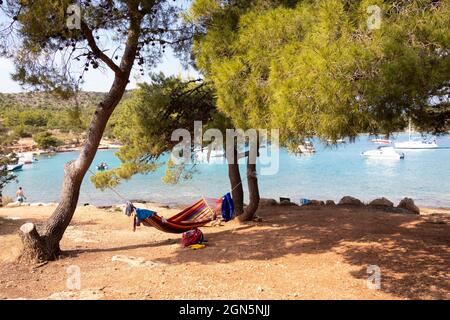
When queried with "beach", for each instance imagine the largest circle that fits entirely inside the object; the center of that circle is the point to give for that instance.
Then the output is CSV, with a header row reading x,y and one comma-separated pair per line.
x,y
293,253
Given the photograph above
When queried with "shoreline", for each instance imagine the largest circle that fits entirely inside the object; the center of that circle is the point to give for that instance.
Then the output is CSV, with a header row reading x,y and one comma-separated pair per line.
x,y
27,145
424,210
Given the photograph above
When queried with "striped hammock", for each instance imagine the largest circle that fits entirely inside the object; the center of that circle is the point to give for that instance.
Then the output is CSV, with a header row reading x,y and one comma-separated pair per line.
x,y
196,216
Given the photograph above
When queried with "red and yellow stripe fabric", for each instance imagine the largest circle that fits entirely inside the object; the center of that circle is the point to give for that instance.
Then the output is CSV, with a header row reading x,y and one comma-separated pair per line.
x,y
195,216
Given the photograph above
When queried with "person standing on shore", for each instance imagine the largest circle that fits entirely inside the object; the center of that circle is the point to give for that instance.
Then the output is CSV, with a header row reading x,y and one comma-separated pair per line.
x,y
20,195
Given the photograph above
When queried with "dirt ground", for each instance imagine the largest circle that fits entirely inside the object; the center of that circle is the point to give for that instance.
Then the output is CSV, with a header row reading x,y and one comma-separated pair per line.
x,y
295,253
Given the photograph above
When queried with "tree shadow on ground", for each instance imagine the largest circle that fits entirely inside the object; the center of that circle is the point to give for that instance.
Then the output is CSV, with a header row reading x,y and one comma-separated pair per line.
x,y
411,251
10,226
78,252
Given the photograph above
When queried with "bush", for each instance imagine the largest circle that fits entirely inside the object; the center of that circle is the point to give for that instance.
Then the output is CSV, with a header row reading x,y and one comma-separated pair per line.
x,y
6,200
33,118
22,132
46,140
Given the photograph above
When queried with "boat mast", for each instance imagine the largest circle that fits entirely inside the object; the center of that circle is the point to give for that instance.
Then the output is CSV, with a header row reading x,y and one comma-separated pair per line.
x,y
409,129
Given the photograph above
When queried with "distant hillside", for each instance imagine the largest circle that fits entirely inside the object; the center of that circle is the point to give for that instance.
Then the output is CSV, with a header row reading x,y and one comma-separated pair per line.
x,y
43,100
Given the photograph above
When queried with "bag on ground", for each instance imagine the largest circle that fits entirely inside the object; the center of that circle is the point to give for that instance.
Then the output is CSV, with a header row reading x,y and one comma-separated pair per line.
x,y
192,237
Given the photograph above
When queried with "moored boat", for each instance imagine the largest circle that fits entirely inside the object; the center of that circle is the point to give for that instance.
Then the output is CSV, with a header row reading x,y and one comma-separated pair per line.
x,y
102,166
15,167
417,144
423,143
383,153
382,141
307,148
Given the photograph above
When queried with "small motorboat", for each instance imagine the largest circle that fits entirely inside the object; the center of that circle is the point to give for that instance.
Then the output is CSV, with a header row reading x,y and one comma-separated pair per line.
x,y
338,141
307,148
26,158
381,141
209,156
383,153
15,167
102,166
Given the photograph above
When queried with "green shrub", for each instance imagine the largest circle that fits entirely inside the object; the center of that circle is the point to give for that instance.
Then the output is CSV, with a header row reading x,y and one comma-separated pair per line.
x,y
22,132
6,200
46,140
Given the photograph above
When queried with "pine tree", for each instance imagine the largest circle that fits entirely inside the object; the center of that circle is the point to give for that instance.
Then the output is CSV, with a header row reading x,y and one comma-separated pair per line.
x,y
48,48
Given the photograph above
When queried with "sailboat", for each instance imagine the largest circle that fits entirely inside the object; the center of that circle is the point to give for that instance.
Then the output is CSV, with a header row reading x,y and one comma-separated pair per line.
x,y
417,143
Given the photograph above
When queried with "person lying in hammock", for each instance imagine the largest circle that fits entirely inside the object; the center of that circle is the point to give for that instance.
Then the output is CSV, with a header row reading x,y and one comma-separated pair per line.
x,y
139,215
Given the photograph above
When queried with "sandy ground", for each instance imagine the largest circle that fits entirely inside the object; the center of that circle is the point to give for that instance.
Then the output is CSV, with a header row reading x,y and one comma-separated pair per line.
x,y
295,253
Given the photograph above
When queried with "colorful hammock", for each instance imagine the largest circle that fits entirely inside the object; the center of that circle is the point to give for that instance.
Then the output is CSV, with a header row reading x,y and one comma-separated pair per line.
x,y
196,216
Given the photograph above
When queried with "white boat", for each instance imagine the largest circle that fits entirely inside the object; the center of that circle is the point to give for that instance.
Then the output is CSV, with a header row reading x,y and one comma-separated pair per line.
x,y
338,141
417,143
382,141
209,156
383,153
26,158
15,167
307,148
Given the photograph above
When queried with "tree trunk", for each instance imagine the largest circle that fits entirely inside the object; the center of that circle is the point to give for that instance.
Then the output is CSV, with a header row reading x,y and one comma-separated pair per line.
x,y
236,185
252,181
42,244
237,189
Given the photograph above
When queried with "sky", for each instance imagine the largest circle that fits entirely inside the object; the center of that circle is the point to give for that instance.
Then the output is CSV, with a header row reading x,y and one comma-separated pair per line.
x,y
100,81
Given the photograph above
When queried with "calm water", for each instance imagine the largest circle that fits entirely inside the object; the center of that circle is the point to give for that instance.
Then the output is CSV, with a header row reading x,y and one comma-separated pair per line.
x,y
330,174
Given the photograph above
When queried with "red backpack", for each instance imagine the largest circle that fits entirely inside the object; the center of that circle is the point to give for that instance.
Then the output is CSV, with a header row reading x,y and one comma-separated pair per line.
x,y
192,237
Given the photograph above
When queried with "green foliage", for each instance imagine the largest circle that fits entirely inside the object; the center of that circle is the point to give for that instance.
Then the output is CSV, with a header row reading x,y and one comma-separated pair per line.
x,y
52,57
144,125
20,131
5,176
111,178
46,140
26,114
315,69
145,122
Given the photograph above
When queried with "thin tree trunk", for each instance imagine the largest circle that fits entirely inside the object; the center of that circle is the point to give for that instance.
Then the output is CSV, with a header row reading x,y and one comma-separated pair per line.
x,y
236,183
238,191
42,244
252,181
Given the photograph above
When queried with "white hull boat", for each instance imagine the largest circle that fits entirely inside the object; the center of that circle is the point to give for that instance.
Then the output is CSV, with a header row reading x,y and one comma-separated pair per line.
x,y
382,141
383,153
417,144
209,156
307,148
26,158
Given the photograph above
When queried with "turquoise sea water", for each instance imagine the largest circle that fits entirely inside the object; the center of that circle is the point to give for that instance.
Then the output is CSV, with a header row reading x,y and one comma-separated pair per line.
x,y
332,173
